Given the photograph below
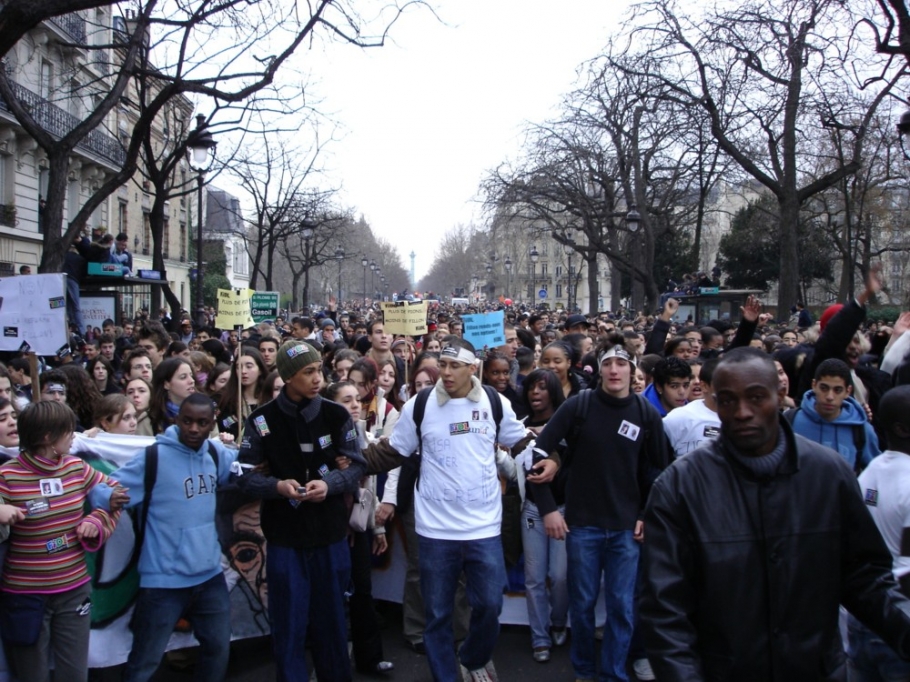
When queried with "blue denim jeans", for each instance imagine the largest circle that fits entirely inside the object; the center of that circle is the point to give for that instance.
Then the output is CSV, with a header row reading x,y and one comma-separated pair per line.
x,y
307,586
870,659
441,564
592,553
73,309
544,558
207,606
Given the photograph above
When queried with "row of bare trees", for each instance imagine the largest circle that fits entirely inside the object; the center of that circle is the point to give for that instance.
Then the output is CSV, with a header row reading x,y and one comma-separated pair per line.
x,y
234,58
792,99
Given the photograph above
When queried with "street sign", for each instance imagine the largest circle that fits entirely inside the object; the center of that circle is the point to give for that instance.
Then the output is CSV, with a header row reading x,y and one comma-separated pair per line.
x,y
542,293
264,305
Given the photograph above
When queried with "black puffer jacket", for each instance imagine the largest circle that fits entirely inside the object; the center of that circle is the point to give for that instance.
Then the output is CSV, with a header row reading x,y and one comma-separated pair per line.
x,y
744,575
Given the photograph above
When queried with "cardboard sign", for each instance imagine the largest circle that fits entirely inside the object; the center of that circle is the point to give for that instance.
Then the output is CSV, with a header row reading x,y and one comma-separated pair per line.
x,y
33,311
405,318
234,308
487,330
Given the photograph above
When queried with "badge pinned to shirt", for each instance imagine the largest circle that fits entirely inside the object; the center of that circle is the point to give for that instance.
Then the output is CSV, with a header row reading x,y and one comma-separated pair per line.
x,y
325,442
629,430
711,431
56,545
37,506
261,425
350,435
51,487
871,497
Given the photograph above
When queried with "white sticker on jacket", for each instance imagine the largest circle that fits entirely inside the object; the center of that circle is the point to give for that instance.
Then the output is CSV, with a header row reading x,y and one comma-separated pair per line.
x,y
628,430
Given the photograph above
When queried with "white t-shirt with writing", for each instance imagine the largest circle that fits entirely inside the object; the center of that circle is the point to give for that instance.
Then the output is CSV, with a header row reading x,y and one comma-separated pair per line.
x,y
691,425
458,493
886,490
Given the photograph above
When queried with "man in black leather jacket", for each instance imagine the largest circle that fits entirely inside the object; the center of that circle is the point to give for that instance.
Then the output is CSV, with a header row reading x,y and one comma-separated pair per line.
x,y
751,544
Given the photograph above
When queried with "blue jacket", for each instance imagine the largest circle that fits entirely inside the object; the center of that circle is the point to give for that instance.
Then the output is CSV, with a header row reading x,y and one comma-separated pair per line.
x,y
654,398
837,434
181,547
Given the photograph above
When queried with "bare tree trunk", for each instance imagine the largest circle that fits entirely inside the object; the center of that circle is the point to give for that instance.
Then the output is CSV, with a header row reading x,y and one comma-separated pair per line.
x,y
593,285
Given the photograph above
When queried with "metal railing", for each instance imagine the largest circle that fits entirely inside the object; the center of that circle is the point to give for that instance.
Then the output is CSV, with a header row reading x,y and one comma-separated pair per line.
x,y
58,122
72,24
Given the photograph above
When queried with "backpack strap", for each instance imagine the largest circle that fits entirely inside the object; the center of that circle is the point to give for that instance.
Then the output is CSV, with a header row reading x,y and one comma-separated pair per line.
x,y
148,485
859,442
582,405
213,453
790,415
420,408
496,406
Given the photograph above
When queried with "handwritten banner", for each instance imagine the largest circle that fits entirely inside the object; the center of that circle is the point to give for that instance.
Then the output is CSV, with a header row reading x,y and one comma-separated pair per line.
x,y
409,319
486,330
234,308
33,312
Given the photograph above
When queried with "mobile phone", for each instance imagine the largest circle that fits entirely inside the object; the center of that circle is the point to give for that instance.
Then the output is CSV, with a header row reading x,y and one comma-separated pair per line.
x,y
301,490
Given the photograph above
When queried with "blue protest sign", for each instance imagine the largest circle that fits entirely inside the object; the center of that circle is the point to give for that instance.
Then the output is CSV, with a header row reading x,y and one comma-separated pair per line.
x,y
485,330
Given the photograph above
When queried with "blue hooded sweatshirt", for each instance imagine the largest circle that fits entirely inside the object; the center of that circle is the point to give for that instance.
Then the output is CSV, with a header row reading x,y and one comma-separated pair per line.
x,y
837,434
181,547
654,398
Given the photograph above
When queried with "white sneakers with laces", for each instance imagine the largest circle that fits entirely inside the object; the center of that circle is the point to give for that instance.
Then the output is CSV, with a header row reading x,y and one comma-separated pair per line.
x,y
642,669
484,674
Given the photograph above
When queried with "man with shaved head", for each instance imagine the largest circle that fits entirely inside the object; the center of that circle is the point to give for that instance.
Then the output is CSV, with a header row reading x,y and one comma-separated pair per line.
x,y
753,541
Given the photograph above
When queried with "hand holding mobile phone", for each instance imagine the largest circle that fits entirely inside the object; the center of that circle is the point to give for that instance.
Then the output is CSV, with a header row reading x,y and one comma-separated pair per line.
x,y
301,490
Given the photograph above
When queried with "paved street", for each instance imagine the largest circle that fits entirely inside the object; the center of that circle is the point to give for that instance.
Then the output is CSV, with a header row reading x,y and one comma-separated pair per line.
x,y
251,660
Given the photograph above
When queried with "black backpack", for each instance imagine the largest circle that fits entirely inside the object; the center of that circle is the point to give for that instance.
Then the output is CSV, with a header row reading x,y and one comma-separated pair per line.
x,y
420,408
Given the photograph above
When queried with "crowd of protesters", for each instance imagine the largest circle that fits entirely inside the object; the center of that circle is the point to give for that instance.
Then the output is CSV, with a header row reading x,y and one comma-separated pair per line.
x,y
615,454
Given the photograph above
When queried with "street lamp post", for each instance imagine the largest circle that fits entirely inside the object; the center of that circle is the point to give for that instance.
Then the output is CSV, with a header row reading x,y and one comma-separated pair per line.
x,y
489,275
339,256
373,267
508,266
364,262
200,152
533,256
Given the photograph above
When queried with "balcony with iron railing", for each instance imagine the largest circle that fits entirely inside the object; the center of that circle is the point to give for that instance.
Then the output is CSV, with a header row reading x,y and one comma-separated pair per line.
x,y
58,122
72,24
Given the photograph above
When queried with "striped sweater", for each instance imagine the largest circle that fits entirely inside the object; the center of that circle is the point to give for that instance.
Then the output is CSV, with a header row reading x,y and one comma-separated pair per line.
x,y
45,556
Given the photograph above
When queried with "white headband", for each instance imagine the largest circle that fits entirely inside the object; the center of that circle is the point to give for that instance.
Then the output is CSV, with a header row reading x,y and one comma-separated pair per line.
x,y
460,354
616,352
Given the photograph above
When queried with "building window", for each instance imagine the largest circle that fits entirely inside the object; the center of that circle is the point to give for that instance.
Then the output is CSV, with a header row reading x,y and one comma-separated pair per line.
x,y
183,241
559,271
46,86
559,291
544,267
122,216
166,239
146,234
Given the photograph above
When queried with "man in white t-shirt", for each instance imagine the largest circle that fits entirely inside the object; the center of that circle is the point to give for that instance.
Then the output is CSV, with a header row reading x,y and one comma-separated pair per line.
x,y
885,484
458,509
690,426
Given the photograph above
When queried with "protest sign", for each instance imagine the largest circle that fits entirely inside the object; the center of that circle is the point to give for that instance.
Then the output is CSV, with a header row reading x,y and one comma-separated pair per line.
x,y
33,312
234,308
486,330
405,318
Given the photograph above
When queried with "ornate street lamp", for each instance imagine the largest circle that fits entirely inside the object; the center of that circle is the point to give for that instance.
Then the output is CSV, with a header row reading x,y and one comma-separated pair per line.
x,y
339,256
200,152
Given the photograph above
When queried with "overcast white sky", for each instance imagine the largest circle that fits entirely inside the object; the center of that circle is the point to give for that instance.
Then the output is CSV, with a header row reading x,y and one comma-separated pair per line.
x,y
425,117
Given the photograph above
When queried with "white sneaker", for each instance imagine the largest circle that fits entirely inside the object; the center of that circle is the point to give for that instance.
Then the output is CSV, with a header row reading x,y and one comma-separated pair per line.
x,y
484,674
642,669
